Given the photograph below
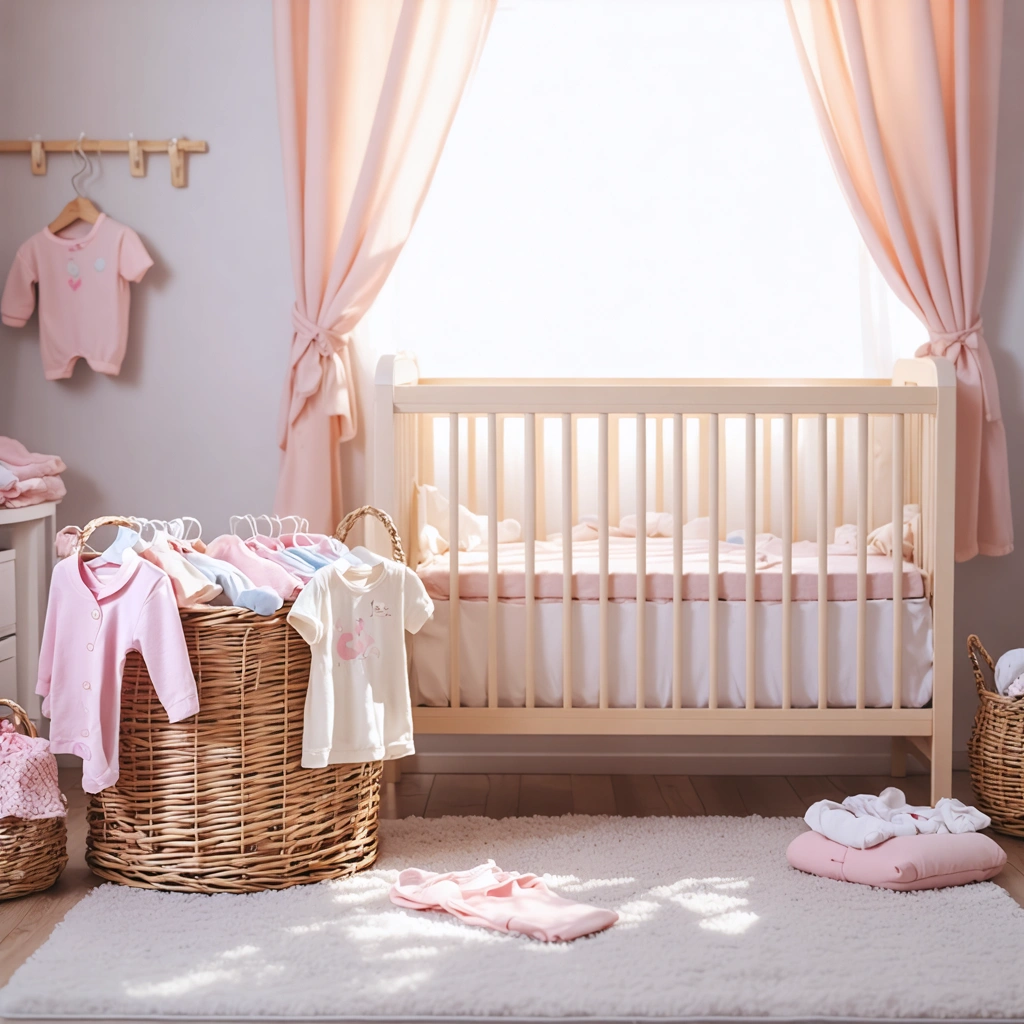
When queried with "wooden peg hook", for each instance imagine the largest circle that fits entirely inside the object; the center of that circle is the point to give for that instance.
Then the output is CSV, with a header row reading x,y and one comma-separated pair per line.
x,y
136,160
177,159
38,157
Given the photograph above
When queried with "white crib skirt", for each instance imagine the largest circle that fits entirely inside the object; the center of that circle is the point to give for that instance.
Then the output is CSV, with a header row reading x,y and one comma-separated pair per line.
x,y
430,654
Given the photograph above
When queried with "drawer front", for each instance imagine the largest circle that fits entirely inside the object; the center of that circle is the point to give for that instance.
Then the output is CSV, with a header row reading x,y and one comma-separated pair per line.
x,y
8,669
7,614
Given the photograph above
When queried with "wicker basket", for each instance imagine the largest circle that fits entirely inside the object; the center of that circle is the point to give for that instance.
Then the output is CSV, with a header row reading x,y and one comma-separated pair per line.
x,y
996,750
220,802
32,853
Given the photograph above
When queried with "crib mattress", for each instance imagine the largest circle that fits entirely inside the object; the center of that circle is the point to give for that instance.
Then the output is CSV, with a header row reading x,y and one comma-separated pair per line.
x,y
430,654
842,572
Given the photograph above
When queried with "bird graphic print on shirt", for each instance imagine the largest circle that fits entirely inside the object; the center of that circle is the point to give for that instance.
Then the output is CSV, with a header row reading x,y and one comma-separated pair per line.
x,y
358,645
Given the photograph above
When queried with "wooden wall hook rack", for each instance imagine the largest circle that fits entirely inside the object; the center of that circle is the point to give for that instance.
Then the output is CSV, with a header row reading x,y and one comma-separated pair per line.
x,y
176,150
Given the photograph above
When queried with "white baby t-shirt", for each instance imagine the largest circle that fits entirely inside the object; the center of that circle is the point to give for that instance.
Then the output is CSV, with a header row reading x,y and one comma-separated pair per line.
x,y
357,704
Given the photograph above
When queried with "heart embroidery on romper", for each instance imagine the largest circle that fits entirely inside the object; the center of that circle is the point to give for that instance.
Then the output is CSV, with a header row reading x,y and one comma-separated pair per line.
x,y
75,283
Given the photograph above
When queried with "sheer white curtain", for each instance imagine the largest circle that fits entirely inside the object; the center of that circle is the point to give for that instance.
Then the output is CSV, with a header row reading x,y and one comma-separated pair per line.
x,y
637,187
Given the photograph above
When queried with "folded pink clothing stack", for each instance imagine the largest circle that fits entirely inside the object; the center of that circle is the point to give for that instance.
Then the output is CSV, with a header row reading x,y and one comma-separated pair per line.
x,y
506,901
28,478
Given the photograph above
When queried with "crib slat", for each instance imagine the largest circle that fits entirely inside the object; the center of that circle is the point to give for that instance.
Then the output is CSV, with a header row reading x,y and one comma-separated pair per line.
x,y
678,516
766,474
749,531
602,544
471,488
501,466
795,468
567,560
453,559
840,503
822,536
713,536
659,464
897,560
529,547
575,469
492,560
641,557
723,480
540,488
787,560
703,458
862,556
614,514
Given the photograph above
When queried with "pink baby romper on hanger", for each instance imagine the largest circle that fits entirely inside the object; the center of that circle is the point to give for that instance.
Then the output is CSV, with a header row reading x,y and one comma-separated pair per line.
x,y
84,297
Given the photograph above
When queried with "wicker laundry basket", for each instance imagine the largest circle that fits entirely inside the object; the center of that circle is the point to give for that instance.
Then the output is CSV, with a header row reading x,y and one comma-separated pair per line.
x,y
996,749
220,802
32,853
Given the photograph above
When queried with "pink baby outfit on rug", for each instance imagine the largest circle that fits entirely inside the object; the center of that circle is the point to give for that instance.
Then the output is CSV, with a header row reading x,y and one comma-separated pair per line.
x,y
83,293
503,900
93,619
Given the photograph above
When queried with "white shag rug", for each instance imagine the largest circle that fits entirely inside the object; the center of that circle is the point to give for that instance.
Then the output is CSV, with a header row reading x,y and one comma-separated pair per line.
x,y
714,923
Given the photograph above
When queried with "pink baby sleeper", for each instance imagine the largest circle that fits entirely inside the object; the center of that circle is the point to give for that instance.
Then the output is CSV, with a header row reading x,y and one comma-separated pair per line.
x,y
93,619
83,293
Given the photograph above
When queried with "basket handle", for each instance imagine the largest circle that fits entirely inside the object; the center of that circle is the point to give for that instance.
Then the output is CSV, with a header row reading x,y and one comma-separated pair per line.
x,y
20,717
345,526
95,524
974,648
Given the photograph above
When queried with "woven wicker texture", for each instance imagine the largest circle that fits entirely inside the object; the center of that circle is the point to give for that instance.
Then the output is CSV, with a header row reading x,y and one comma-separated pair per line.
x,y
996,750
345,527
220,802
32,853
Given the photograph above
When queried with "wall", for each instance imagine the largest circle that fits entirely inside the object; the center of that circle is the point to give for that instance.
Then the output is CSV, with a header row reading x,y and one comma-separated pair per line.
x,y
190,424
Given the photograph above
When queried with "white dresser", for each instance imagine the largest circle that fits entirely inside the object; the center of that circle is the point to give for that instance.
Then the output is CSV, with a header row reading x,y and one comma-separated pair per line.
x,y
26,560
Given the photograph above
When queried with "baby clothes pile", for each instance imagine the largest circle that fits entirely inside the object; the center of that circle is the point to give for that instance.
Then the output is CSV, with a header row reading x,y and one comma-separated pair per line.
x,y
28,478
885,841
1009,673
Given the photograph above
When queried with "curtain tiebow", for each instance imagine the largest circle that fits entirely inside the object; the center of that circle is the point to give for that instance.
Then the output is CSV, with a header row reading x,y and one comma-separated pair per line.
x,y
964,350
319,363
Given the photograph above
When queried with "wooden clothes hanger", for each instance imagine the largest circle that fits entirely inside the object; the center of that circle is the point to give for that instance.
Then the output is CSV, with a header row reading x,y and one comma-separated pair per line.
x,y
81,207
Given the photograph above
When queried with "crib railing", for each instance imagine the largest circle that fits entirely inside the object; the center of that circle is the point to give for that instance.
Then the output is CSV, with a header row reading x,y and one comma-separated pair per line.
x,y
915,412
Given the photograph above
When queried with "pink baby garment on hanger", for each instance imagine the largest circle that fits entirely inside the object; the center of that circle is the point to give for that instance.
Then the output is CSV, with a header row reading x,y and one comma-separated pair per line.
x,y
93,618
84,297
503,900
262,571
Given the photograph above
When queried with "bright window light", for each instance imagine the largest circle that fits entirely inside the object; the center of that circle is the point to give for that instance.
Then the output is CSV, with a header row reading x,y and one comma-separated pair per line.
x,y
639,188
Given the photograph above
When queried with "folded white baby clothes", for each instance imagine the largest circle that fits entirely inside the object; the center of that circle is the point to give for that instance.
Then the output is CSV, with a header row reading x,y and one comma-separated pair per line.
x,y
1010,672
867,820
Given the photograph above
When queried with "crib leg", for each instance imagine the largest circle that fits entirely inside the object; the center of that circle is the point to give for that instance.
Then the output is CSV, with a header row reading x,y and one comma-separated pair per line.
x,y
898,769
392,771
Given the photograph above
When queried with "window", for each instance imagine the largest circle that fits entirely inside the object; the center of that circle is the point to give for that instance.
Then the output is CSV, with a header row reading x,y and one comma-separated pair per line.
x,y
639,189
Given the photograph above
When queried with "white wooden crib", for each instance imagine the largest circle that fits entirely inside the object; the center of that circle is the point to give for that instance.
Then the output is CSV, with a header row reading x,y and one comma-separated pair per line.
x,y
848,424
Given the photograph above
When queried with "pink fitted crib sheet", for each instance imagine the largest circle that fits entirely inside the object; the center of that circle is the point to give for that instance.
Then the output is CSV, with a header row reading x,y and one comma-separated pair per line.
x,y
842,572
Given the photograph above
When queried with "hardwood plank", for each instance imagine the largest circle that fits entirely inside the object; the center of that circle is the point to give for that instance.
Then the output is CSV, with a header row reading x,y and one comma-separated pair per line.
x,y
593,794
406,798
718,794
770,796
916,787
638,796
502,796
679,795
1012,880
457,794
811,788
545,794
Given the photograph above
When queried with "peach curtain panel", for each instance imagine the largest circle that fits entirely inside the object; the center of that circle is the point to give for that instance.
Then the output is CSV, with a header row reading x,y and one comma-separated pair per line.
x,y
906,94
367,91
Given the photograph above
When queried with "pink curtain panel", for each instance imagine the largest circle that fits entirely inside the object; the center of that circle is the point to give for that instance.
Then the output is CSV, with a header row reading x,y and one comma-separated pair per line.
x,y
367,91
906,95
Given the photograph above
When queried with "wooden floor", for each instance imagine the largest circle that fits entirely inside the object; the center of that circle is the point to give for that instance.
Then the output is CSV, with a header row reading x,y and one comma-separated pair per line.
x,y
26,923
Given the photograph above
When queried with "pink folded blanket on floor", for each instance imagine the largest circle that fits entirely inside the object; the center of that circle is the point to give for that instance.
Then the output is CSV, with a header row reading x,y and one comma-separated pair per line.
x,y
503,900
26,465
